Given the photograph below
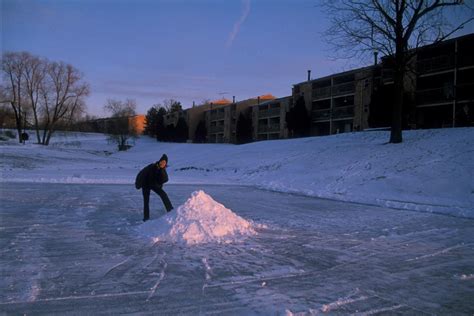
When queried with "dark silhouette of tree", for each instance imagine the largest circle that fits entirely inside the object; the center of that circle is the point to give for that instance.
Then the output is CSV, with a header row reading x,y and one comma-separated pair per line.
x,y
394,28
290,121
172,105
379,116
181,131
169,135
160,128
298,120
151,121
243,128
200,134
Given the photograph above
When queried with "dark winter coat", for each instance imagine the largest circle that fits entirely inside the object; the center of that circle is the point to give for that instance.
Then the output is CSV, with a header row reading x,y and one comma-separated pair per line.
x,y
151,176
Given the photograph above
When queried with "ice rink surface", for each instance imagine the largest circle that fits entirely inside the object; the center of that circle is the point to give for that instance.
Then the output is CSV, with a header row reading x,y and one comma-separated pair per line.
x,y
69,248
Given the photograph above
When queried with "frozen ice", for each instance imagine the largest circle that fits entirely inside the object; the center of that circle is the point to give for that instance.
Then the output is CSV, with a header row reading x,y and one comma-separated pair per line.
x,y
74,249
289,240
200,220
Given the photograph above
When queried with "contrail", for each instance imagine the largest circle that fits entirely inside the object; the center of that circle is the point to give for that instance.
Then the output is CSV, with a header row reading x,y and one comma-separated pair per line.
x,y
236,29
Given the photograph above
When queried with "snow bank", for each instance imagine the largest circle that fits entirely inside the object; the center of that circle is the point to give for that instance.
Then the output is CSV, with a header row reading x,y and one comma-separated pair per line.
x,y
431,171
200,220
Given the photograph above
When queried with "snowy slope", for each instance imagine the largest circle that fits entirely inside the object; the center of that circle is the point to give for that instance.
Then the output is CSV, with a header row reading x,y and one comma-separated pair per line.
x,y
432,170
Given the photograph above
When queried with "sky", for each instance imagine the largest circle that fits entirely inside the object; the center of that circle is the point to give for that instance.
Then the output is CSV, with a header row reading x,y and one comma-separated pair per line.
x,y
188,50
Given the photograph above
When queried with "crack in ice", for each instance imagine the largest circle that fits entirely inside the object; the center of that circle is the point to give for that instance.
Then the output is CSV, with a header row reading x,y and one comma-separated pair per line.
x,y
162,276
439,252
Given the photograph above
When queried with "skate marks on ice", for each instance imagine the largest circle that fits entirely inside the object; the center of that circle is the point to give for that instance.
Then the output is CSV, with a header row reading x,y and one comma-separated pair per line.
x,y
161,277
207,269
314,257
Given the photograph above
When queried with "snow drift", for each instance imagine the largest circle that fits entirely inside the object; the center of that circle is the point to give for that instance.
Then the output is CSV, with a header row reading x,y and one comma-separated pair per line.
x,y
431,171
199,220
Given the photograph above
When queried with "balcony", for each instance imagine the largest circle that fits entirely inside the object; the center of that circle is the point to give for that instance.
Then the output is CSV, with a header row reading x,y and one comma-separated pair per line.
x,y
268,113
435,64
335,113
320,93
217,116
465,91
387,75
269,128
343,112
345,88
216,129
433,96
321,115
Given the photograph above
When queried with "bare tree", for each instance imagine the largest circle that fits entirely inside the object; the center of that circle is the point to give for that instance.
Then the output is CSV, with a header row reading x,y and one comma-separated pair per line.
x,y
52,91
172,105
13,67
394,28
119,126
62,90
76,111
34,74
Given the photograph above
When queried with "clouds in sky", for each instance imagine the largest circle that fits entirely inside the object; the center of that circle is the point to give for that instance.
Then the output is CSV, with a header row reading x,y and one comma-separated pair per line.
x,y
238,24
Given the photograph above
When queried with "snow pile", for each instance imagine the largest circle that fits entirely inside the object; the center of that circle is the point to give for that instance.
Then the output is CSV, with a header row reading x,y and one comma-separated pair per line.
x,y
199,220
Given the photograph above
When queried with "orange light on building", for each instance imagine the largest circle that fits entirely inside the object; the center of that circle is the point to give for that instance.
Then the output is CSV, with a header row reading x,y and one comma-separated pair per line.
x,y
267,97
221,102
138,122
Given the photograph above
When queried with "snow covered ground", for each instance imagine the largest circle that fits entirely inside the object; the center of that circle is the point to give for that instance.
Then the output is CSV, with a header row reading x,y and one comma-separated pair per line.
x,y
75,249
345,224
432,170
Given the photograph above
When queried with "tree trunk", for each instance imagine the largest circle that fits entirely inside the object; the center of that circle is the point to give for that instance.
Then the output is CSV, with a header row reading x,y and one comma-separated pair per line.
x,y
19,135
18,127
37,126
45,131
50,133
396,130
399,76
18,118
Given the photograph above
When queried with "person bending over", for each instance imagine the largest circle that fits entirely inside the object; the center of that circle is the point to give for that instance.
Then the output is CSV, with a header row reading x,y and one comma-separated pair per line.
x,y
152,178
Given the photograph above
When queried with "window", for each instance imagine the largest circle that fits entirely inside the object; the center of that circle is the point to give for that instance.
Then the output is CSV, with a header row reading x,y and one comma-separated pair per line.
x,y
321,84
275,106
344,101
321,105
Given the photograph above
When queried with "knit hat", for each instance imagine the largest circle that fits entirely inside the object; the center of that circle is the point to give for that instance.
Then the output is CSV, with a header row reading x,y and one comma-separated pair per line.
x,y
164,157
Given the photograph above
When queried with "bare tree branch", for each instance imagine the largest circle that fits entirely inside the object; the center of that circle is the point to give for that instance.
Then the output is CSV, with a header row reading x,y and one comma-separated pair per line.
x,y
395,28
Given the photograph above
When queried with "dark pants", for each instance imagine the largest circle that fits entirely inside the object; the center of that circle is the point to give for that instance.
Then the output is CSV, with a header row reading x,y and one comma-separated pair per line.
x,y
146,200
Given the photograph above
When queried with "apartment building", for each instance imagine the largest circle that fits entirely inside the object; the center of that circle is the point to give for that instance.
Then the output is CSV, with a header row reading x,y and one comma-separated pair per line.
x,y
337,103
215,118
109,125
439,93
269,119
173,117
221,122
444,95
